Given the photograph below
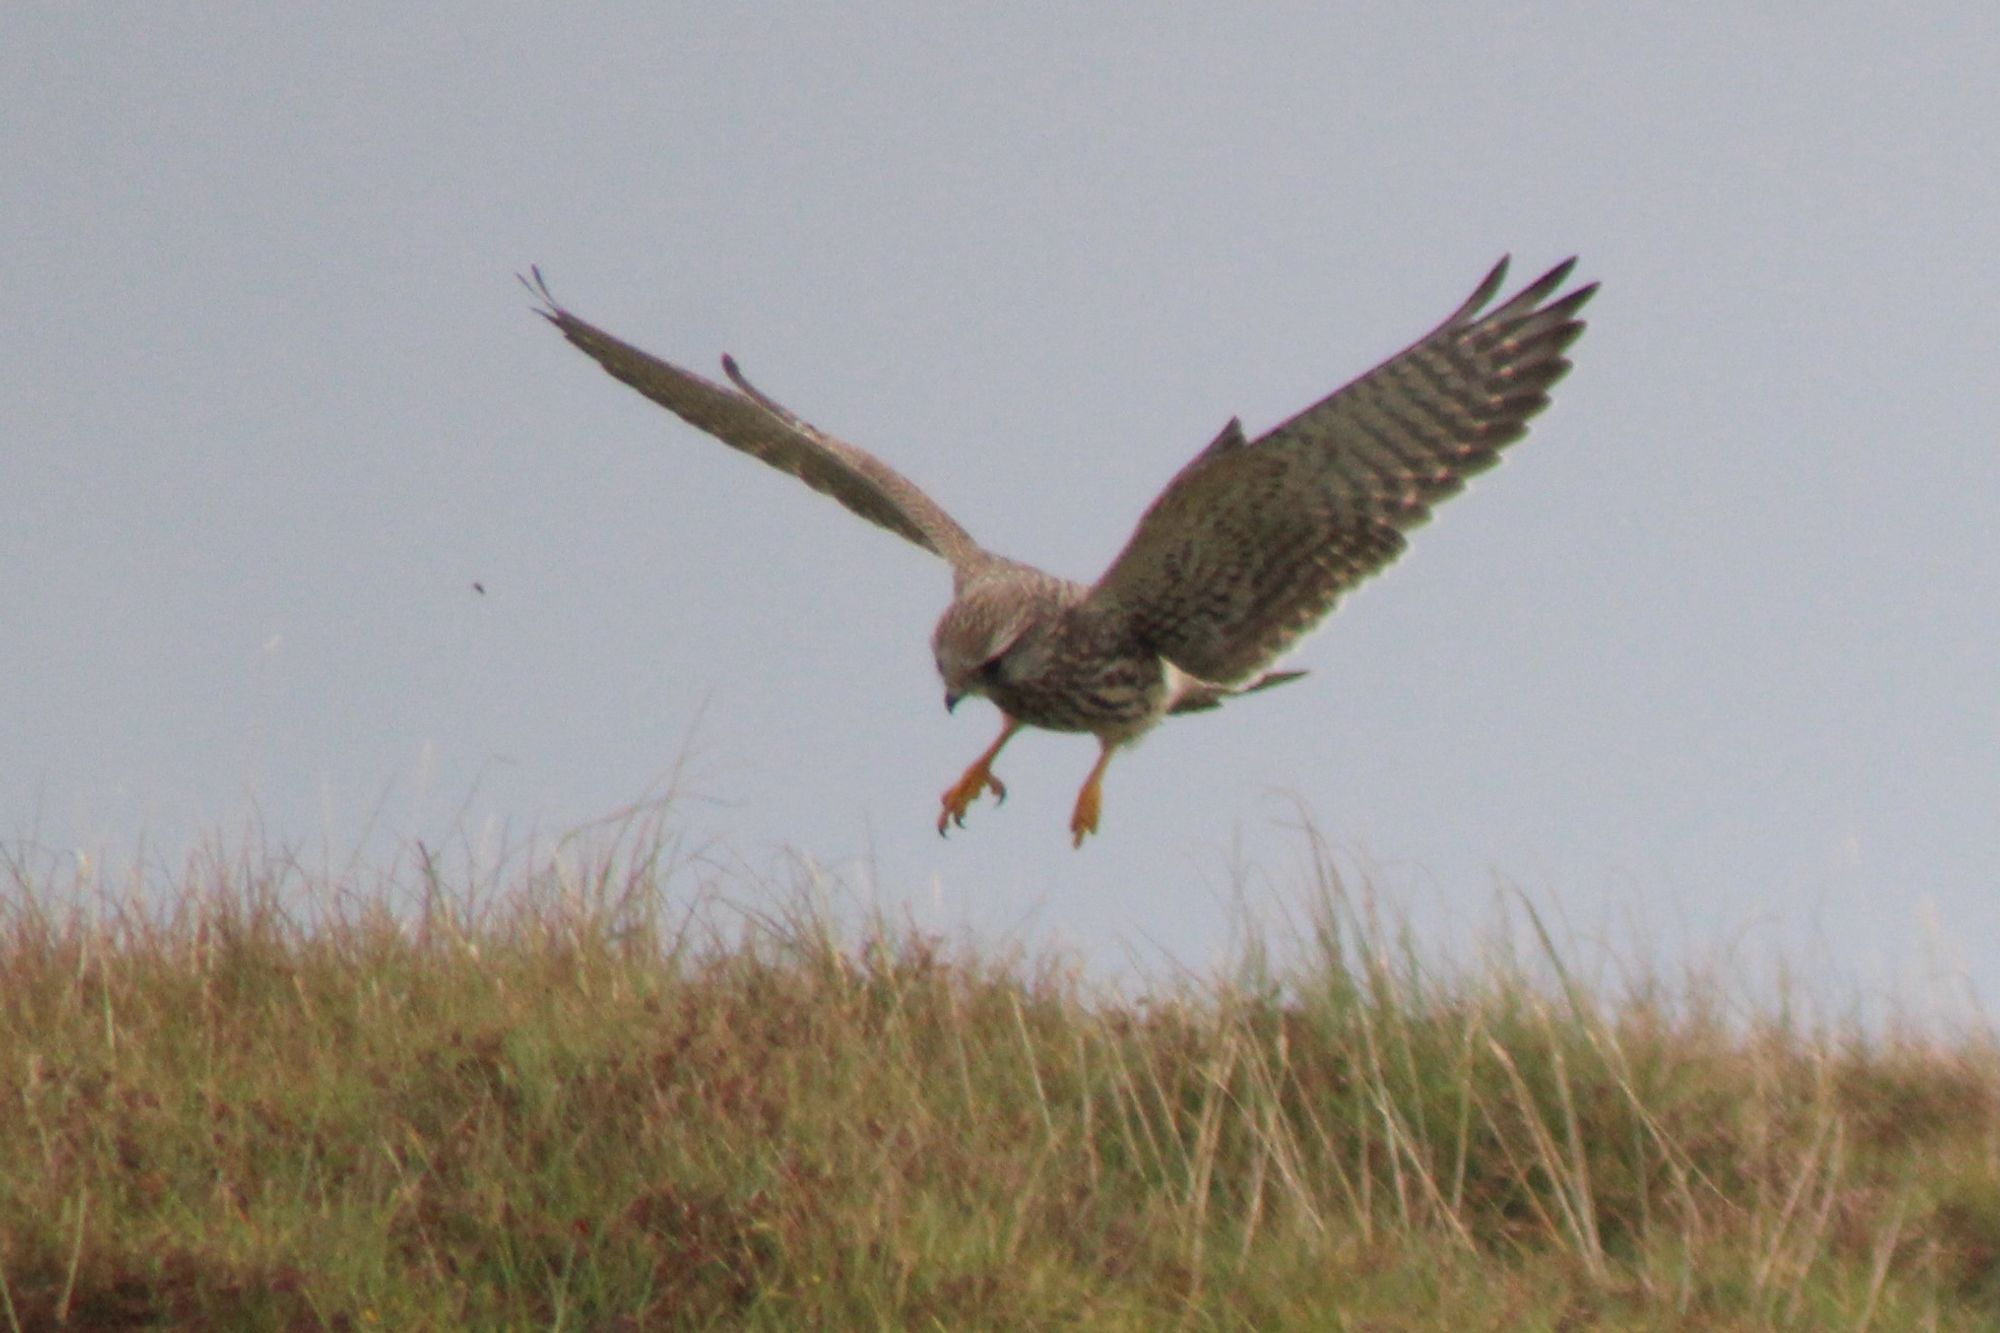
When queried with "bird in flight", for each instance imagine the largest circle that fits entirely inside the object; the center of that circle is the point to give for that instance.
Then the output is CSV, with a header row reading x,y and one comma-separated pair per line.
x,y
1248,547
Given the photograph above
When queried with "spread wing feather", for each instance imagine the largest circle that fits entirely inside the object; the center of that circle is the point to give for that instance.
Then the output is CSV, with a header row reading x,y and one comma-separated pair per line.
x,y
1253,542
747,419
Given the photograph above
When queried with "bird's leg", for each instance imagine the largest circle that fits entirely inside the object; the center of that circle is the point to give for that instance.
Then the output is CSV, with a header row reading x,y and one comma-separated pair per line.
x,y
958,797
1083,820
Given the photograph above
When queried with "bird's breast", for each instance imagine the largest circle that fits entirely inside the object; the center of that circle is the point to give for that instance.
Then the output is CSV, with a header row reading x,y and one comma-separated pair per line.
x,y
1111,695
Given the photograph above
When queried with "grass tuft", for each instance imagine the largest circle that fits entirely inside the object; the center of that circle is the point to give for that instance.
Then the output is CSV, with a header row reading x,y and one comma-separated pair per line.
x,y
601,1095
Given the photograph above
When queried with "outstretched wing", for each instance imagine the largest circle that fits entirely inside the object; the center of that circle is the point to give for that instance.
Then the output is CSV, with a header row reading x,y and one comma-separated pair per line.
x,y
1254,541
748,420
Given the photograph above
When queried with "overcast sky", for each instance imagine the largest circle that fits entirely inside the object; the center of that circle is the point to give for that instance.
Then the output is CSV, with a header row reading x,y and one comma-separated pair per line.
x,y
1712,658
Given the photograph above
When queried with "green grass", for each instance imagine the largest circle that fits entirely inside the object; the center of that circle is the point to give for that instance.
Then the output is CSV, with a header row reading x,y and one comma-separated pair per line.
x,y
601,1096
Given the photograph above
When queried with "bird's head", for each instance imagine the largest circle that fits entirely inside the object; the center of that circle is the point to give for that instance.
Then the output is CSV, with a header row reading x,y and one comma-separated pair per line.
x,y
977,641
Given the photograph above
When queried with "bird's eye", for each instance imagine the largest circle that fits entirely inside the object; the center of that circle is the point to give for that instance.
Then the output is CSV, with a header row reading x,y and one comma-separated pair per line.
x,y
989,670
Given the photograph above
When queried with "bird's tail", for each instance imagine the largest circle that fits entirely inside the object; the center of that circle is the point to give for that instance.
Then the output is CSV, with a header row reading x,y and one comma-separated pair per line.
x,y
1205,696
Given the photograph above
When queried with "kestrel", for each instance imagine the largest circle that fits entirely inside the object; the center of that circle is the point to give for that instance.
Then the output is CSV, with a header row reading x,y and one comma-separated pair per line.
x,y
1247,548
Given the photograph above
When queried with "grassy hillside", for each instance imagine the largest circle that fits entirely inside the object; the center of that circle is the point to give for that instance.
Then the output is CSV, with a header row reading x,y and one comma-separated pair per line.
x,y
581,1100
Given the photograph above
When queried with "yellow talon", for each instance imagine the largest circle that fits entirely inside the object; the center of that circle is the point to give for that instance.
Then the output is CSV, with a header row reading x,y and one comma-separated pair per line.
x,y
1083,821
958,797
1089,801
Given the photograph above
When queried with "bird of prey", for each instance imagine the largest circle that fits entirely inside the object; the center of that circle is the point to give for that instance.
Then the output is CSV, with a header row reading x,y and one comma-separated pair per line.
x,y
1248,547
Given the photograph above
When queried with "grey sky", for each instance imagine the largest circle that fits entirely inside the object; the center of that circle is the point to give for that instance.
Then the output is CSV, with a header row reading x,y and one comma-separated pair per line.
x,y
1714,651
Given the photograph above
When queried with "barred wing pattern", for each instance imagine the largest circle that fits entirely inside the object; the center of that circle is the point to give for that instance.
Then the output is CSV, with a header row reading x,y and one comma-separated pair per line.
x,y
1253,542
748,420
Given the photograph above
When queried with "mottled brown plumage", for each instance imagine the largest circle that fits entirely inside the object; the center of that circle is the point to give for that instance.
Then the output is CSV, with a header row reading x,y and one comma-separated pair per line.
x,y
1245,550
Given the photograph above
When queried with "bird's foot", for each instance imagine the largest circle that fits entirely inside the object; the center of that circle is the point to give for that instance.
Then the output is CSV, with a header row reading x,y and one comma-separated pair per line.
x,y
958,797
1083,820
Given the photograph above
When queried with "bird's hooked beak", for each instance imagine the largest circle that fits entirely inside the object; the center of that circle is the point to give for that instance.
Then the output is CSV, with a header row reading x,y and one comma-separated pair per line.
x,y
951,700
